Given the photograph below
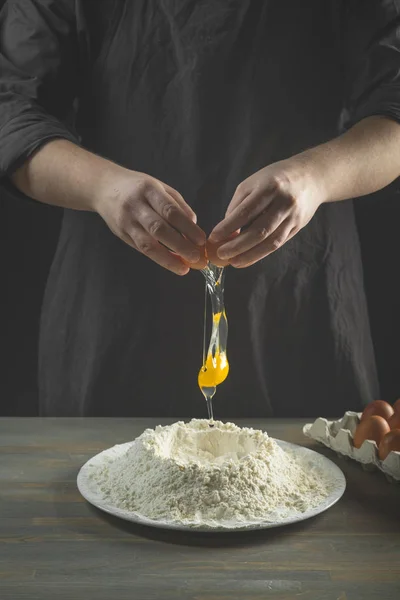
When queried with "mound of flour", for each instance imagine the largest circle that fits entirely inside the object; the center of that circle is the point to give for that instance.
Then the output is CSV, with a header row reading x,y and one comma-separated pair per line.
x,y
196,474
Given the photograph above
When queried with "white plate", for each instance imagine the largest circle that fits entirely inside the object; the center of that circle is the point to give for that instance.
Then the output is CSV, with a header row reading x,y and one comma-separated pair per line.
x,y
328,470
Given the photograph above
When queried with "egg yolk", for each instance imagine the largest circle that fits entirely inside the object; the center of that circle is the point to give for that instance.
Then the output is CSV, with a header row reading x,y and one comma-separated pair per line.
x,y
215,371
216,368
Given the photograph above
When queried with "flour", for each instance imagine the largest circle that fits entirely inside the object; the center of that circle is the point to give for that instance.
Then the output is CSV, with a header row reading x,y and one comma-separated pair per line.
x,y
196,474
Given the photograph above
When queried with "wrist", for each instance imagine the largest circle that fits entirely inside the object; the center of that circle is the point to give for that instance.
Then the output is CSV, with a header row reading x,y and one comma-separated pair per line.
x,y
307,174
106,186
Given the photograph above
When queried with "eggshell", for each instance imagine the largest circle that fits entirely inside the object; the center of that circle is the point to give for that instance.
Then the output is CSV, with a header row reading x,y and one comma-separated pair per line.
x,y
389,443
378,407
213,256
201,263
372,428
394,421
396,406
212,249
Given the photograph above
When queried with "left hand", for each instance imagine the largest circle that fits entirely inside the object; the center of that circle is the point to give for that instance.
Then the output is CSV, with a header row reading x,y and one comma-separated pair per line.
x,y
270,207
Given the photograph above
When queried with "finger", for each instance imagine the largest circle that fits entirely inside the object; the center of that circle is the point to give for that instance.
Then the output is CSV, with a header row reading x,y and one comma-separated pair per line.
x,y
170,211
263,227
271,244
242,191
179,200
141,241
212,252
160,230
242,215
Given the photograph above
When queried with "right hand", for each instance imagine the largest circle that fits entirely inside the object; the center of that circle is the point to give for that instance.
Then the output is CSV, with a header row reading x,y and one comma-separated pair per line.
x,y
151,217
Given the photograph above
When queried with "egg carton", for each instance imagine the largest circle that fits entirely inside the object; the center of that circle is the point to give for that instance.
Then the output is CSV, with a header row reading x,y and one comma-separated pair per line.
x,y
338,435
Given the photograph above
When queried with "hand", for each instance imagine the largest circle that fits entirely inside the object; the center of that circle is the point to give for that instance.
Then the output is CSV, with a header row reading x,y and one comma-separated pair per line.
x,y
269,208
151,217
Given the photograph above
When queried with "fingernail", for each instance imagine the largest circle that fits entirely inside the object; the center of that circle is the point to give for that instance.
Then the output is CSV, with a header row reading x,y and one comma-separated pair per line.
x,y
214,238
194,256
223,253
236,262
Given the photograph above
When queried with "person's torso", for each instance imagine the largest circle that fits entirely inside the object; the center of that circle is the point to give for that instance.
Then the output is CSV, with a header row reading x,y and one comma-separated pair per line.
x,y
201,94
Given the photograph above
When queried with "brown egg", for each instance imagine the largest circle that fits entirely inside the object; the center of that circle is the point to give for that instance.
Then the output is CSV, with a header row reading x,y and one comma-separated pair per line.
x,y
378,407
213,256
394,421
372,428
389,443
396,406
212,249
201,263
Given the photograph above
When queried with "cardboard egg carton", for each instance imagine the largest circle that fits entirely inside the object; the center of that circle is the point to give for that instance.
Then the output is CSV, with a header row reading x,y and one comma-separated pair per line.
x,y
338,435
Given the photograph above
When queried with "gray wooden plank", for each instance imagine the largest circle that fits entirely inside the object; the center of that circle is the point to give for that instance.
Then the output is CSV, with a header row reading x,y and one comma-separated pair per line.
x,y
94,550
200,589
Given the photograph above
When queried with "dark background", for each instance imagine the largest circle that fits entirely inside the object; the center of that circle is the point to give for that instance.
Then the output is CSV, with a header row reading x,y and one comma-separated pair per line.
x,y
29,236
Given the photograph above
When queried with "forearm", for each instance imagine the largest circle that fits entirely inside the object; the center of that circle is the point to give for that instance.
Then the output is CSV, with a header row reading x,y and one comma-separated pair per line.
x,y
363,160
63,174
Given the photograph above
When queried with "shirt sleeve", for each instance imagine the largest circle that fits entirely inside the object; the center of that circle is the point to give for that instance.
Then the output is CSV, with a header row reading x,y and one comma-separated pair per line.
x,y
39,58
371,43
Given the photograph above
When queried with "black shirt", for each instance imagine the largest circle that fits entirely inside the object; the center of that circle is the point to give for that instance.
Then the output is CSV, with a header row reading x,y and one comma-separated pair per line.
x,y
200,94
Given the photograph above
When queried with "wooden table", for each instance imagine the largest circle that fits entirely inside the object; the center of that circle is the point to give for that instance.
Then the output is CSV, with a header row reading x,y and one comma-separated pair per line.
x,y
55,546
